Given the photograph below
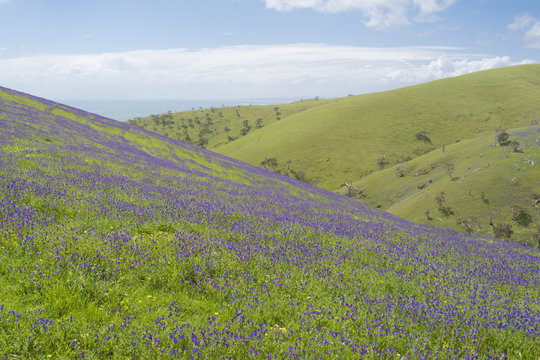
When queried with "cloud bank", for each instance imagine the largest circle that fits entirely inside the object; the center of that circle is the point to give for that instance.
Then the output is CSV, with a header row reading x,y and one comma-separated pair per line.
x,y
529,27
377,13
239,71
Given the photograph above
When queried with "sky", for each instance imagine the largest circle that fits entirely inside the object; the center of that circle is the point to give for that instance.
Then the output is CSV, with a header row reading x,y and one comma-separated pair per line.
x,y
237,49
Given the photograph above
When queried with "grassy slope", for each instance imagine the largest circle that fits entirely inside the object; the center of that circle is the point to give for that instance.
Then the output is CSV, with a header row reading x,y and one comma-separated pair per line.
x,y
119,243
341,141
187,126
506,178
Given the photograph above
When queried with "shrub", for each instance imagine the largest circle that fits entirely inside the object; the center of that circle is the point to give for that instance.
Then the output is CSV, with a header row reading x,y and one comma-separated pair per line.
x,y
521,217
440,199
515,146
400,171
382,162
270,163
503,231
502,136
469,222
422,136
449,168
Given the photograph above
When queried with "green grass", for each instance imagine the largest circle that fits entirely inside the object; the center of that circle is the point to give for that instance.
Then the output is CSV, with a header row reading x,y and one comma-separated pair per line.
x,y
108,250
488,181
341,141
210,124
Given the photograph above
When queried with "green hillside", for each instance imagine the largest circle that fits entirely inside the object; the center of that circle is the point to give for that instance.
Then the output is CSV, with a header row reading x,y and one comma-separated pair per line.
x,y
209,128
119,243
482,182
365,140
342,141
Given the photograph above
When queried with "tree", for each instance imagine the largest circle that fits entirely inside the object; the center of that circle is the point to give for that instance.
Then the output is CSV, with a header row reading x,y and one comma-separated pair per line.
x,y
468,222
400,171
270,163
538,235
484,198
515,146
298,175
503,231
202,142
502,136
440,199
422,136
382,162
449,168
353,192
521,217
259,123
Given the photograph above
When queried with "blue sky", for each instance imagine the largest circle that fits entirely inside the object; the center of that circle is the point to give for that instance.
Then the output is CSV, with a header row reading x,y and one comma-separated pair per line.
x,y
227,49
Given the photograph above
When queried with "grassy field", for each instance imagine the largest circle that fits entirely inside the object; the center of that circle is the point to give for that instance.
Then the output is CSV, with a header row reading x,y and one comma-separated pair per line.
x,y
343,140
482,182
118,243
362,140
211,128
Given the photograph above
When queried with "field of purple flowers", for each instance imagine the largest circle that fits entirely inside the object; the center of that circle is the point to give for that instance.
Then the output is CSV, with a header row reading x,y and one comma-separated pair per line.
x,y
119,243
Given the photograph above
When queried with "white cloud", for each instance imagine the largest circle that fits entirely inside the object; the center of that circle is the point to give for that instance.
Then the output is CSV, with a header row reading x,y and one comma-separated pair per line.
x,y
530,28
433,6
532,36
238,71
444,67
429,9
521,22
377,13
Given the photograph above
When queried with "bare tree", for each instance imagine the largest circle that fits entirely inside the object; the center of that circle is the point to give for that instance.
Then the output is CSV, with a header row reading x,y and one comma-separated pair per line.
x,y
502,136
440,199
449,168
353,192
382,162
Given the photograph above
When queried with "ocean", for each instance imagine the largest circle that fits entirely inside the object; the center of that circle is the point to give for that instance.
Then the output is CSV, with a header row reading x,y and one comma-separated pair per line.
x,y
123,110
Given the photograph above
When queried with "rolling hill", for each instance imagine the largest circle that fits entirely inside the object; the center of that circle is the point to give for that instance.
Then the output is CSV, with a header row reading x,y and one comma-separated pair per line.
x,y
210,128
362,140
116,242
486,186
342,141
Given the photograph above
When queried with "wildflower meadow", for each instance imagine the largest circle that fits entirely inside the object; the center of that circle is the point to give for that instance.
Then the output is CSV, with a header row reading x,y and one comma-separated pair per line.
x,y
118,243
